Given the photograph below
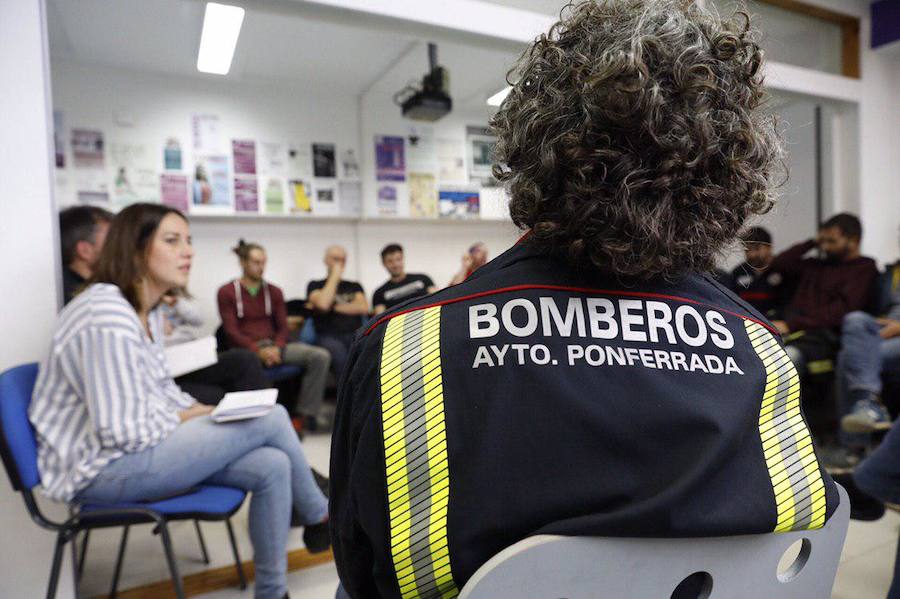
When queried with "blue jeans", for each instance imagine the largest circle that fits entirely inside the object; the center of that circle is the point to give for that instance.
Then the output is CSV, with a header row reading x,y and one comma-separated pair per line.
x,y
261,455
879,476
864,361
338,345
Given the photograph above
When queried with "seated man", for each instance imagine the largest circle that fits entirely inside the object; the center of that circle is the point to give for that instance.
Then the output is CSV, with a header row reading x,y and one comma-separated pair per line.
x,y
591,380
870,352
828,288
338,306
402,286
82,232
754,280
254,317
236,369
474,258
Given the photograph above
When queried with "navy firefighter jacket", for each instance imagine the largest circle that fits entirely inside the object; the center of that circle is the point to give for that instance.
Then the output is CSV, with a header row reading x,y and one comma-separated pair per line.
x,y
537,399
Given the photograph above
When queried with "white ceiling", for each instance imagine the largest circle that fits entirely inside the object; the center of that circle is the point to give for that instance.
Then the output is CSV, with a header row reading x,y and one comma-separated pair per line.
x,y
277,43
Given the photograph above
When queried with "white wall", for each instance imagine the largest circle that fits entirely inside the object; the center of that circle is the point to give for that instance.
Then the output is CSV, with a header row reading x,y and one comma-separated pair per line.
x,y
162,107
28,240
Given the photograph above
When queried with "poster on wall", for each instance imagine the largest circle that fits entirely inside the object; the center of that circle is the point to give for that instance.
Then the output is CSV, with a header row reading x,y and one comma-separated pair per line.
x,y
300,193
91,186
273,195
299,161
350,193
244,153
174,191
212,184
459,203
326,201
423,197
386,199
172,155
390,163
272,158
59,139
205,131
421,153
350,164
451,156
481,155
87,148
246,197
323,156
135,179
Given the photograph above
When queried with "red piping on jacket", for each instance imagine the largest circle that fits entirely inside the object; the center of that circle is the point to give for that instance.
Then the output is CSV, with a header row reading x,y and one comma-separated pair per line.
x,y
565,288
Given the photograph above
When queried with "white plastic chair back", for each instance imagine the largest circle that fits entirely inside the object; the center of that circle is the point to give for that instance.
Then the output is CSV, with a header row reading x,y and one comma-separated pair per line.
x,y
737,567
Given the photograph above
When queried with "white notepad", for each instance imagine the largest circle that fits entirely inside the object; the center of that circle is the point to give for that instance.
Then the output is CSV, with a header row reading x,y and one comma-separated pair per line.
x,y
193,355
241,405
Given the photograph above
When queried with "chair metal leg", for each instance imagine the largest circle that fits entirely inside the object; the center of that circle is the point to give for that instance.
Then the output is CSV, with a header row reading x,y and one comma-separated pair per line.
x,y
170,558
76,575
83,552
237,556
57,565
114,587
202,542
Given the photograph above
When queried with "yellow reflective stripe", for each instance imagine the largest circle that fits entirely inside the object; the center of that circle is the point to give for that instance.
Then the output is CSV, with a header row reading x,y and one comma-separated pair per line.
x,y
797,486
416,463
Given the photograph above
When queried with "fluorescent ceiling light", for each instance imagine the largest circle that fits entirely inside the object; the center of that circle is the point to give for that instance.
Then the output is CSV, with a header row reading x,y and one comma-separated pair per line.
x,y
221,27
497,99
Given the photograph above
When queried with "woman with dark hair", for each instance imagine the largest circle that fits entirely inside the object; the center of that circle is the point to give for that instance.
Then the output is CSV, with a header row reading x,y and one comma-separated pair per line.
x,y
593,379
112,425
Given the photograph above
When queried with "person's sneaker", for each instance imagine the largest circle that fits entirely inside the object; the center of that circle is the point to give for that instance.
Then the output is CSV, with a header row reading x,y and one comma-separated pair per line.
x,y
316,538
868,416
840,459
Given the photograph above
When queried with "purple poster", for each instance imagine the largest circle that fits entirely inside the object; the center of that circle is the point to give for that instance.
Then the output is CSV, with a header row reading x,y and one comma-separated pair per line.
x,y
174,191
246,198
390,163
244,151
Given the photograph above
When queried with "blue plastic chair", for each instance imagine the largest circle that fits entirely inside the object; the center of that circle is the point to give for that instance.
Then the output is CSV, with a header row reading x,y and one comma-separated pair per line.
x,y
18,449
282,372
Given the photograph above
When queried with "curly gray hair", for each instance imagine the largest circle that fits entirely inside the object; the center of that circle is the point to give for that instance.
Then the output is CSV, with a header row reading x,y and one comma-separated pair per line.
x,y
634,137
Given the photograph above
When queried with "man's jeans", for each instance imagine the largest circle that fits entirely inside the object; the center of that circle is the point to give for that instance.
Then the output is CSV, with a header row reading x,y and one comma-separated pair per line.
x,y
260,455
864,361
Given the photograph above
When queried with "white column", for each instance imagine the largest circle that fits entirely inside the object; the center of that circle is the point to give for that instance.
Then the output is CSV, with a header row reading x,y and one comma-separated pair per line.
x,y
28,267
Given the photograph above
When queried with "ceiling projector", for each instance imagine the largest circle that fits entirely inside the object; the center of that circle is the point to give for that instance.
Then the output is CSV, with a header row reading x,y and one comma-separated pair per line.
x,y
430,101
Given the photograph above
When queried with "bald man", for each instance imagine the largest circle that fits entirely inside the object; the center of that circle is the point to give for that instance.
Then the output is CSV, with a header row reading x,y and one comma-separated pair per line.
x,y
339,308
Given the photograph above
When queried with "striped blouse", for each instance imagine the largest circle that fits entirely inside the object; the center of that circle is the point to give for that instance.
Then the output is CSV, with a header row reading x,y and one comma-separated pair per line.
x,y
104,391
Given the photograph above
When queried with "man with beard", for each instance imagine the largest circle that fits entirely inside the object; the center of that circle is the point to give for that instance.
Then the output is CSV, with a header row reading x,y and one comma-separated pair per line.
x,y
828,288
754,280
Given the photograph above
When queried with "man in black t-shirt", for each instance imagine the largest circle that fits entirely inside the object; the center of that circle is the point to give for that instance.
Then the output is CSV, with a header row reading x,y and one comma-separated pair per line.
x,y
401,286
338,308
754,281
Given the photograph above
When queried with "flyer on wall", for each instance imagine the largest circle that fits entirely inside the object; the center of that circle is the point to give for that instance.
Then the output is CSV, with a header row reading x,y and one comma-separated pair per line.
x,y
272,158
350,164
246,198
212,185
273,194
87,149
390,164
387,199
459,203
423,197
350,193
300,193
244,153
451,154
135,179
205,130
174,191
421,153
326,199
299,161
172,155
324,160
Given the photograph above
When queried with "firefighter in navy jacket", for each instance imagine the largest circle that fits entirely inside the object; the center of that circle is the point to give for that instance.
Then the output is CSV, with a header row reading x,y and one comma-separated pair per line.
x,y
590,380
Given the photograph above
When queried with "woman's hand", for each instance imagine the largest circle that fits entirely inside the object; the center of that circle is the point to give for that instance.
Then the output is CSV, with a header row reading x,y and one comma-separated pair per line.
x,y
198,409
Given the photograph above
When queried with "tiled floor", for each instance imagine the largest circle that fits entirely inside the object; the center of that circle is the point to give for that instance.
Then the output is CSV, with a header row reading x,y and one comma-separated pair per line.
x,y
864,573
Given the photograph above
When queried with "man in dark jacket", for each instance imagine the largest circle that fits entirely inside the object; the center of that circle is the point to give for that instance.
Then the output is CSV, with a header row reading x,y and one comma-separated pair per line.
x,y
590,380
828,288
